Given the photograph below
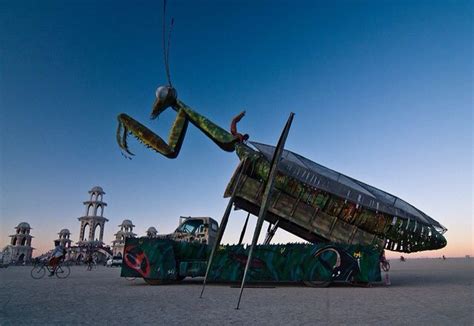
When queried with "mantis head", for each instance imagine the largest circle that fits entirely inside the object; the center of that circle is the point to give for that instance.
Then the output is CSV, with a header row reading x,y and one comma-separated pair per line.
x,y
166,96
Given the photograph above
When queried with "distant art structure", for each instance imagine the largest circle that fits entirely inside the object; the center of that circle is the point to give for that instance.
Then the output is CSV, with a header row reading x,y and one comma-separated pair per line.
x,y
92,223
91,232
19,250
126,231
151,232
65,241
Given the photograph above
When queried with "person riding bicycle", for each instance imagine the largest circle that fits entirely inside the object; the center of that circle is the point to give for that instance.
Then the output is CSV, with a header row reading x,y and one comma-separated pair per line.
x,y
58,254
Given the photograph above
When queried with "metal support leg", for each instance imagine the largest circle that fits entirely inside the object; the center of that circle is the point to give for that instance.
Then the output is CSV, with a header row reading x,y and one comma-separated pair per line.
x,y
223,225
266,198
271,233
244,229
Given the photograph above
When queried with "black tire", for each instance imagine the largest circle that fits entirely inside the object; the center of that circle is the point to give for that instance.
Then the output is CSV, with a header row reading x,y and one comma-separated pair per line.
x,y
311,279
317,284
38,272
151,281
62,271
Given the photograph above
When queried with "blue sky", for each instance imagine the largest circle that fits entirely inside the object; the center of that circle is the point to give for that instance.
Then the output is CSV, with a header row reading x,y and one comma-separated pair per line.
x,y
382,91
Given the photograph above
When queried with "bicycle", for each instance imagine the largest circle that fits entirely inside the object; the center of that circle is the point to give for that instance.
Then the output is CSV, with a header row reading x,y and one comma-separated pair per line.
x,y
39,271
385,265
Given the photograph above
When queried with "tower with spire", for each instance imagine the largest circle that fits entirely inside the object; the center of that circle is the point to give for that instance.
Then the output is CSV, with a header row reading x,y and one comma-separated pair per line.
x,y
91,232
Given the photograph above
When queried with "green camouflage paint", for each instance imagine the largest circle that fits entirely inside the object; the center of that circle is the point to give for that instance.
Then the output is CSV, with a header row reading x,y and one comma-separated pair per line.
x,y
168,260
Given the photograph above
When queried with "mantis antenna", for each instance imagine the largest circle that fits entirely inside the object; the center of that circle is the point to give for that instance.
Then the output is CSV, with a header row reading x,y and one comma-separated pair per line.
x,y
166,49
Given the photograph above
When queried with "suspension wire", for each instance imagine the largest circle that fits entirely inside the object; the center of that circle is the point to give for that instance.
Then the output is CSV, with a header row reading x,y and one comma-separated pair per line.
x,y
166,49
168,53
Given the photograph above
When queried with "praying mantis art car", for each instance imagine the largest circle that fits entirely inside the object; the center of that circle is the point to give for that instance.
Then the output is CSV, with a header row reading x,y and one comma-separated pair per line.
x,y
347,223
309,200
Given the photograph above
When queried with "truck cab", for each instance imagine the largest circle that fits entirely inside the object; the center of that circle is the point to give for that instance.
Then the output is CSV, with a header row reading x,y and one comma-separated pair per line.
x,y
196,229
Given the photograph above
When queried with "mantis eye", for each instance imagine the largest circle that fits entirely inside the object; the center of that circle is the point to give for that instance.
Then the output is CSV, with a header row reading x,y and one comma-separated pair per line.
x,y
162,92
166,96
166,92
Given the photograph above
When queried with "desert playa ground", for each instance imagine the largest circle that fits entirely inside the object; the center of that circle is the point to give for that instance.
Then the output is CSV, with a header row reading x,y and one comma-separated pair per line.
x,y
422,292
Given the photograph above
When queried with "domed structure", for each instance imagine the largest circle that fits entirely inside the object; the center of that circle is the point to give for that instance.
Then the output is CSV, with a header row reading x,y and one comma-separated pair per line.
x,y
151,232
64,240
127,223
23,225
97,189
19,250
126,231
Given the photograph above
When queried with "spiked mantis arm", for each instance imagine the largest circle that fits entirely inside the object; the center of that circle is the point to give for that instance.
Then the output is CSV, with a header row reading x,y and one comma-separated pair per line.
x,y
127,125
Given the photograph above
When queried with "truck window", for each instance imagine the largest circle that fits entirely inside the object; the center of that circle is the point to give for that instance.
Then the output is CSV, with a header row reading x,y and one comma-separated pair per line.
x,y
189,226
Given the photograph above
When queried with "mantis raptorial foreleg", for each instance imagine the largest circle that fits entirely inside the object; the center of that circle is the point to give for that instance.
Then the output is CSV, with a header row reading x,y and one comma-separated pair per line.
x,y
170,149
149,138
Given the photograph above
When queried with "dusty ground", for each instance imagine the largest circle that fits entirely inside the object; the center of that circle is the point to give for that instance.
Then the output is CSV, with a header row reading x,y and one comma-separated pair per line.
x,y
423,292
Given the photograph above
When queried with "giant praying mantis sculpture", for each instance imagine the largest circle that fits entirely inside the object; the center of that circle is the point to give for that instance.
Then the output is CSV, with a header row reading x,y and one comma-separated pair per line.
x,y
397,226
317,204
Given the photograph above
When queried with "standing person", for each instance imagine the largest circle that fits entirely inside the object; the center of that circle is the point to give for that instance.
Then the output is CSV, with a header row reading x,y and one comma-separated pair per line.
x,y
384,264
89,261
382,257
57,255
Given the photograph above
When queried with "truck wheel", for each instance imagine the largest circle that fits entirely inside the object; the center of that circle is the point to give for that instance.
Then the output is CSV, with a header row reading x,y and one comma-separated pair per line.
x,y
317,284
151,281
325,261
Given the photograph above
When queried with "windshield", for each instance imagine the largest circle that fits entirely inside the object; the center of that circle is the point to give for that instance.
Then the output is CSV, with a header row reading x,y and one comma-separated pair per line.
x,y
189,226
